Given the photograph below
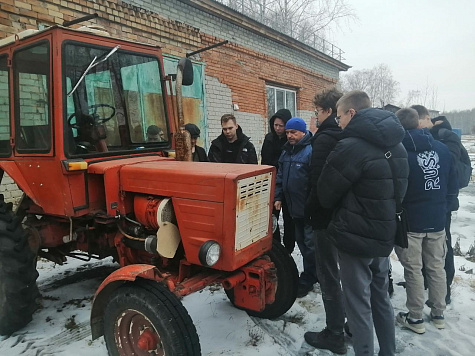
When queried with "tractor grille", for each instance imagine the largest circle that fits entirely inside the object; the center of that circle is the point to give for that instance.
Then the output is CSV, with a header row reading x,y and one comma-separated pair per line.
x,y
252,210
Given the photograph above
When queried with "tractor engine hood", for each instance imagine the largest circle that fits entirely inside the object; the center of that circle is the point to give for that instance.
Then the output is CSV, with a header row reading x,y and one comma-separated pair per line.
x,y
189,180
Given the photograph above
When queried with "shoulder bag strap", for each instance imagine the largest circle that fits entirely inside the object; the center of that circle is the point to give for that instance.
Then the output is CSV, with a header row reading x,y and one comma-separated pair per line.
x,y
388,156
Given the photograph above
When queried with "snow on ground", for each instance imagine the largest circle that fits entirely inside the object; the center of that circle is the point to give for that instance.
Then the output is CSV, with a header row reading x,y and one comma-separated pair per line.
x,y
61,326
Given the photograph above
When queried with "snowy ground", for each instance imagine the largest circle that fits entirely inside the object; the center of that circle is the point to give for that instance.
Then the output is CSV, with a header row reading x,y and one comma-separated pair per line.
x,y
61,326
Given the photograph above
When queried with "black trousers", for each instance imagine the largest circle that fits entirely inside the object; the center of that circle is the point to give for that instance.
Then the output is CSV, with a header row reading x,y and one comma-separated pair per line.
x,y
289,228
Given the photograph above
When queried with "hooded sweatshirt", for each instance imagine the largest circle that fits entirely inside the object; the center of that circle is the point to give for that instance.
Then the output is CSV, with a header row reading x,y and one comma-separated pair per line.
x,y
432,182
357,182
272,146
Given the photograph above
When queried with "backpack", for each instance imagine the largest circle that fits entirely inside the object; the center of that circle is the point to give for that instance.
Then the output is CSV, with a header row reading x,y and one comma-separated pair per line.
x,y
464,168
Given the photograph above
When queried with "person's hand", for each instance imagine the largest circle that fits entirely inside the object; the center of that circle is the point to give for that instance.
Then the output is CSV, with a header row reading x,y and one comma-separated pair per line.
x,y
277,205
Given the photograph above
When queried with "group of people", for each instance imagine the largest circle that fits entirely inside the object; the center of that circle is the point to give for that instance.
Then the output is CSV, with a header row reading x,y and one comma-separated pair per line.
x,y
343,183
337,190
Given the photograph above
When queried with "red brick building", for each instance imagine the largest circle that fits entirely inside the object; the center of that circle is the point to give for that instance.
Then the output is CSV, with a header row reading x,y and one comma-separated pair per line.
x,y
258,71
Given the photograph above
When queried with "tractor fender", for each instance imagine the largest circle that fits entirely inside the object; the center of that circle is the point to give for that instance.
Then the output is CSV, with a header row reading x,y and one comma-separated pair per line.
x,y
112,282
14,172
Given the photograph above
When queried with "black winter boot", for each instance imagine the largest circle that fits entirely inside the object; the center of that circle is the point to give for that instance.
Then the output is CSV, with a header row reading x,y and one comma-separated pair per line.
x,y
326,340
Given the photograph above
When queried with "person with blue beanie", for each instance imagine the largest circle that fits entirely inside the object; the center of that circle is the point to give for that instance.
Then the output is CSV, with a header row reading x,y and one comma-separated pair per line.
x,y
270,153
292,183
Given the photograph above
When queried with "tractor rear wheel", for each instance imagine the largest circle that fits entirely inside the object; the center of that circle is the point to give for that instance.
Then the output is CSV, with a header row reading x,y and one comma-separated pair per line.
x,y
18,290
287,284
145,318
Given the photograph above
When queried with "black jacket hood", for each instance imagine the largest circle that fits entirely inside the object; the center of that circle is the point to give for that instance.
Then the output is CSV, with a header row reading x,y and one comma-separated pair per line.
x,y
445,124
380,127
282,114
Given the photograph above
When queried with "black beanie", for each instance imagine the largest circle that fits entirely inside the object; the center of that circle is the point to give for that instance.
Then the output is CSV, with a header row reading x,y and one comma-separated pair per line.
x,y
193,130
282,114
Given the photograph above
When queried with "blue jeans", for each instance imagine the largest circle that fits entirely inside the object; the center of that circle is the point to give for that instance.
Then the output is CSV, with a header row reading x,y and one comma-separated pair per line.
x,y
304,239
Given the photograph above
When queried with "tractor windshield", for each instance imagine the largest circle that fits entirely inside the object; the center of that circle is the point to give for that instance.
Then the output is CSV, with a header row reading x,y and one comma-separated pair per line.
x,y
115,105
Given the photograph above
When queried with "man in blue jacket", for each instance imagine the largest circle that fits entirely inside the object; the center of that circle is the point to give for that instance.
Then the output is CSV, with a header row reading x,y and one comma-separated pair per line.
x,y
292,183
270,154
432,184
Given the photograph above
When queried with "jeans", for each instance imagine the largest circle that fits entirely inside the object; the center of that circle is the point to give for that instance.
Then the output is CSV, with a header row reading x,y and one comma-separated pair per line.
x,y
304,239
367,303
431,248
328,273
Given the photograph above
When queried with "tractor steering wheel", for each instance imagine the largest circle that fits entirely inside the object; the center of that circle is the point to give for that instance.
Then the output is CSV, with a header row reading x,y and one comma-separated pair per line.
x,y
97,119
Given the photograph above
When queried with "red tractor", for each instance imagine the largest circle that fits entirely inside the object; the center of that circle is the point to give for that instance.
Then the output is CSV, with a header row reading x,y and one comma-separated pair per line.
x,y
74,111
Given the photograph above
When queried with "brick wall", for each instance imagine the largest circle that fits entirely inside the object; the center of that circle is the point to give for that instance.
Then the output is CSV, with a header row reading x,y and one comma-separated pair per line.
x,y
235,73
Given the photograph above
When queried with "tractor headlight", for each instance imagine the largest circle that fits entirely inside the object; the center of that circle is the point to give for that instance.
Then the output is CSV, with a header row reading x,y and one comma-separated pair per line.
x,y
209,253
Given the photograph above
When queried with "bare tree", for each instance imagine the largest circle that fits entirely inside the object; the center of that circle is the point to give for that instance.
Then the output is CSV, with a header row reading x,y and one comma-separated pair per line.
x,y
377,82
428,96
308,21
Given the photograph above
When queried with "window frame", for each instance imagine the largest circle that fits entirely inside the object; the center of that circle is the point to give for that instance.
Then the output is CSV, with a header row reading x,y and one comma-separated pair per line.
x,y
285,90
16,100
8,152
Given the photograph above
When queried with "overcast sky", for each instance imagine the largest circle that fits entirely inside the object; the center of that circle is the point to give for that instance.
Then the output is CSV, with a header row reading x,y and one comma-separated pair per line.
x,y
426,43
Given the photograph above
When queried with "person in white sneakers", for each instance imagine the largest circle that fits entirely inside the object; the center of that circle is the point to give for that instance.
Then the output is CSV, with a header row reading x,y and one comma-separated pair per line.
x,y
432,185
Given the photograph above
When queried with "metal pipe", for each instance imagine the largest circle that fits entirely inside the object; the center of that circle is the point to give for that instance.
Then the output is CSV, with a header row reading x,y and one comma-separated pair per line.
x,y
81,19
234,280
207,48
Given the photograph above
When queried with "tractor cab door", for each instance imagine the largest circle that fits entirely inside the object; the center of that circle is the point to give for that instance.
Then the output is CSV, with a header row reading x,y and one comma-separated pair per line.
x,y
32,100
37,169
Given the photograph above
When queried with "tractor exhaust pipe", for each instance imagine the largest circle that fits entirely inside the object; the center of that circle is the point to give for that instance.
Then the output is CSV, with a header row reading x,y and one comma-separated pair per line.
x,y
234,280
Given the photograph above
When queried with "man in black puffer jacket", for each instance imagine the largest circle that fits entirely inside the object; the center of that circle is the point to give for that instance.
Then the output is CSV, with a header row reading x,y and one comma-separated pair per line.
x,y
270,152
326,255
357,181
232,146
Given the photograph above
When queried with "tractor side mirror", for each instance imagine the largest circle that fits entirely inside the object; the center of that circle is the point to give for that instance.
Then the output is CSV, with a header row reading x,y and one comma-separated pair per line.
x,y
186,67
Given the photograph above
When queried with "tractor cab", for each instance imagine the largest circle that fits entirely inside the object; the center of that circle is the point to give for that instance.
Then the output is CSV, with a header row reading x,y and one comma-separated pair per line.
x,y
77,96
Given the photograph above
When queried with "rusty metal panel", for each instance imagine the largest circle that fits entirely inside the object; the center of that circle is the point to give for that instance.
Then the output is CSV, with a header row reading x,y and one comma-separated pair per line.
x,y
193,97
252,210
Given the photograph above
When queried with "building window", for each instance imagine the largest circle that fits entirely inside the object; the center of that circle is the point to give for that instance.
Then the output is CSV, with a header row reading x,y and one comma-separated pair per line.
x,y
280,98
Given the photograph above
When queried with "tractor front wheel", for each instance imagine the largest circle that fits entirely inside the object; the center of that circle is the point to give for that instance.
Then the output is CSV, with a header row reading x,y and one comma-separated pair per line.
x,y
145,318
287,284
18,290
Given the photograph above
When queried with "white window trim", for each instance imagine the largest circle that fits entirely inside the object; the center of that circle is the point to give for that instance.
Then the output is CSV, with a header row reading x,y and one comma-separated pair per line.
x,y
285,90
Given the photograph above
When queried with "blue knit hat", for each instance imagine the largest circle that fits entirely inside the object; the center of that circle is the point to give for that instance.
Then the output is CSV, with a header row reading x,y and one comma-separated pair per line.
x,y
296,123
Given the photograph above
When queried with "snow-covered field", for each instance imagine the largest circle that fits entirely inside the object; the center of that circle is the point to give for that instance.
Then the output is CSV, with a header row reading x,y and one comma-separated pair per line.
x,y
61,326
